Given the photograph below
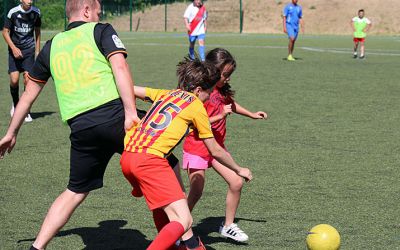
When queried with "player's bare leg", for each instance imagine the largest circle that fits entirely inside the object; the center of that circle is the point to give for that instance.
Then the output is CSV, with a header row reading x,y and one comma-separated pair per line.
x,y
355,50
362,48
57,216
197,180
292,40
235,184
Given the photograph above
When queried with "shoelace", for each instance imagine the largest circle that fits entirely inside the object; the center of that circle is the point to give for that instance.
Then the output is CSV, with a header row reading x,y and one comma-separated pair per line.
x,y
235,228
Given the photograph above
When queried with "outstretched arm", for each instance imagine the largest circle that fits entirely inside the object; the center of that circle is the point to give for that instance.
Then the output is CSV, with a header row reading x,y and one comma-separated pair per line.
x,y
243,111
124,82
223,157
29,96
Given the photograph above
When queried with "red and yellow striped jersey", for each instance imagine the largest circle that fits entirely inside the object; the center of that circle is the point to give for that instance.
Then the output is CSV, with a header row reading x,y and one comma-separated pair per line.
x,y
167,122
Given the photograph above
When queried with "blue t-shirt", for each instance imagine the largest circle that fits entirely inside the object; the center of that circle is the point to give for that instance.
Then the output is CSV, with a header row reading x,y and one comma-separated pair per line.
x,y
293,14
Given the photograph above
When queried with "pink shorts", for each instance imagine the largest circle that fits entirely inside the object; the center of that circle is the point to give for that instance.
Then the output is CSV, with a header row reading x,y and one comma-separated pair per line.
x,y
191,161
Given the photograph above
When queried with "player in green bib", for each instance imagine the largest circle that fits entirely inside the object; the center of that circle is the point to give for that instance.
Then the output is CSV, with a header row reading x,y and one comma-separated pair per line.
x,y
95,93
360,25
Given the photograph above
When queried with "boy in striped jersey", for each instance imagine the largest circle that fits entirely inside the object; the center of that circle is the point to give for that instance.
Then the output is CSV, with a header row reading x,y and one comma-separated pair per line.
x,y
147,144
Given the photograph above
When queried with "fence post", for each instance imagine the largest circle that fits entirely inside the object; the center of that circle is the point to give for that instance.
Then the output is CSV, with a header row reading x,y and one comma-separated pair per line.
x,y
165,21
65,15
130,15
241,17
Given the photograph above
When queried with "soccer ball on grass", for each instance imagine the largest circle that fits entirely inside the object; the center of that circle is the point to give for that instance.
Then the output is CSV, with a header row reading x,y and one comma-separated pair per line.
x,y
323,237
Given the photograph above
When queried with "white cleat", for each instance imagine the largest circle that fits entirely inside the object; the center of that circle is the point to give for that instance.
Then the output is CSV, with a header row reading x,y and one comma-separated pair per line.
x,y
234,232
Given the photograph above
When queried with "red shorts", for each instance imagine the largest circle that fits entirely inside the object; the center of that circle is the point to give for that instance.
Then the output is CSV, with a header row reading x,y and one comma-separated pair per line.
x,y
356,40
151,176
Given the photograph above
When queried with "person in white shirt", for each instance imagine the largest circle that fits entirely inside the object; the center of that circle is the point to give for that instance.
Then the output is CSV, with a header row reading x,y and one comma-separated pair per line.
x,y
195,18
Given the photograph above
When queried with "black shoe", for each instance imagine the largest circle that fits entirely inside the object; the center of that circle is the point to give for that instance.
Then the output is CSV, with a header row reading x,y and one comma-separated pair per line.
x,y
354,56
362,57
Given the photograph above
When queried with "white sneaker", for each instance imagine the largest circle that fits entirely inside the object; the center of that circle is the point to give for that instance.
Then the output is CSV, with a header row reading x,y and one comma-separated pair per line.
x,y
234,232
28,118
12,110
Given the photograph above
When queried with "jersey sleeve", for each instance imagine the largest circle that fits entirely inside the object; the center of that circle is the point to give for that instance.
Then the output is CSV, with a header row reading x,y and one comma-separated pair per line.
x,y
368,21
40,71
38,22
154,94
201,122
107,40
7,21
285,11
187,13
354,19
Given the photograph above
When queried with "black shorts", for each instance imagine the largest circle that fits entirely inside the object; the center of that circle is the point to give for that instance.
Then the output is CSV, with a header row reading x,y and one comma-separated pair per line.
x,y
91,150
23,64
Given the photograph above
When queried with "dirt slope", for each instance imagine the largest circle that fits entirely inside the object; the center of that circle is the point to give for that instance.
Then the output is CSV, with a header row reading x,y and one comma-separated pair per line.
x,y
264,16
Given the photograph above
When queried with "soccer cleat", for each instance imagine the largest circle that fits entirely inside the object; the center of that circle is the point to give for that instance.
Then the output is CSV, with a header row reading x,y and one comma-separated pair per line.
x,y
362,57
290,58
28,118
12,111
234,232
355,55
200,247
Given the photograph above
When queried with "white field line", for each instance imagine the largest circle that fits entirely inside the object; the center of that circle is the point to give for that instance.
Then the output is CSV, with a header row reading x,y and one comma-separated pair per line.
x,y
379,52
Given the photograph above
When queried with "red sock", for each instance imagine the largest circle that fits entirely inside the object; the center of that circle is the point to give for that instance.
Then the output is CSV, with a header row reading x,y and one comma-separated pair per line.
x,y
160,218
167,236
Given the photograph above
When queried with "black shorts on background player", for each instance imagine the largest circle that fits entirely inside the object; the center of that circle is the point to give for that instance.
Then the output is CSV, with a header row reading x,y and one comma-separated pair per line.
x,y
21,64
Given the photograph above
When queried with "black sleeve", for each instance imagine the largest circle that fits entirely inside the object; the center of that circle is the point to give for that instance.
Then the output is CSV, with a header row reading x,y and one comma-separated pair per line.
x,y
107,40
40,71
38,22
8,23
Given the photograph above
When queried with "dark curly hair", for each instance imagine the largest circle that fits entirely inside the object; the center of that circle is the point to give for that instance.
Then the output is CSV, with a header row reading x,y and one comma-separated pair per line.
x,y
220,58
195,73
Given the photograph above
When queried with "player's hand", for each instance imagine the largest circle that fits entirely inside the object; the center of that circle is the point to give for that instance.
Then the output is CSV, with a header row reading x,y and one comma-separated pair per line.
x,y
284,30
188,28
7,144
260,115
227,110
17,53
131,121
246,174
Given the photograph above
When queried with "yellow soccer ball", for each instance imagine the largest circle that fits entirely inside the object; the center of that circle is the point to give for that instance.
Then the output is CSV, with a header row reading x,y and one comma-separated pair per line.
x,y
323,237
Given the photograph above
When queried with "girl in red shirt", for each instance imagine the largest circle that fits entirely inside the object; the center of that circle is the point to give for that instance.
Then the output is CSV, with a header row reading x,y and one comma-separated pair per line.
x,y
196,158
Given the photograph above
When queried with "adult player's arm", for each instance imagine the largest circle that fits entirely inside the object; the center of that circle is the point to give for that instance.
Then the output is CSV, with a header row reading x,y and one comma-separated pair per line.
x,y
124,81
29,96
302,25
6,34
224,158
243,111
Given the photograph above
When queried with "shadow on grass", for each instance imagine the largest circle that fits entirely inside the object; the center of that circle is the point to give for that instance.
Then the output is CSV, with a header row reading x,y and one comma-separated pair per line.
x,y
210,225
36,115
108,235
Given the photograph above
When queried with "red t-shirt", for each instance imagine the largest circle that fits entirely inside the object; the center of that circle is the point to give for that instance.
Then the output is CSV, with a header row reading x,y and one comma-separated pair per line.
x,y
214,106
